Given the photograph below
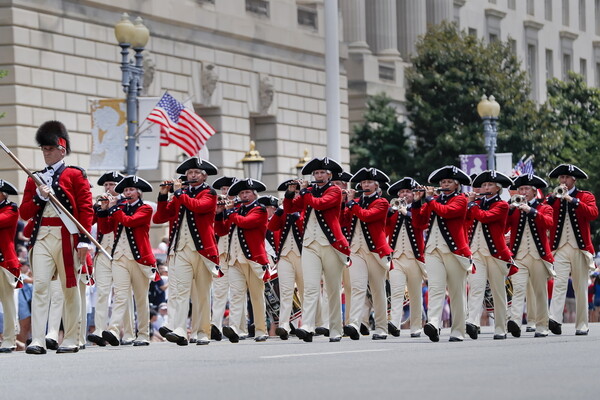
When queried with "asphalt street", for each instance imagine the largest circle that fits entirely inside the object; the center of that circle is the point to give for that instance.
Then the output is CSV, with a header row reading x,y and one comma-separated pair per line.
x,y
555,367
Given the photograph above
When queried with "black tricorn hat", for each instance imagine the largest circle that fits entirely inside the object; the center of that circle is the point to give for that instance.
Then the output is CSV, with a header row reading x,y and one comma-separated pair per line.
x,y
449,172
321,163
530,180
133,181
284,185
53,133
113,176
404,183
369,174
492,176
246,184
568,169
223,181
197,163
7,187
268,201
341,176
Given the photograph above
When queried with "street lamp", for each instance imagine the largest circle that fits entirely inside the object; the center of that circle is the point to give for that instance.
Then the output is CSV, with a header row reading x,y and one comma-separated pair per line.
x,y
489,110
302,162
253,163
135,36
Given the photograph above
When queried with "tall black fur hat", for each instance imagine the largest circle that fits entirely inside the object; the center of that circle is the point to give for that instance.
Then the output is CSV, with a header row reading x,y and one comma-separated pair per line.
x,y
53,133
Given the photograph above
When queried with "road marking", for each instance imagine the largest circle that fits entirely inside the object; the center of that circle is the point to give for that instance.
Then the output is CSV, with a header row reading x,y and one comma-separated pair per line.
x,y
324,353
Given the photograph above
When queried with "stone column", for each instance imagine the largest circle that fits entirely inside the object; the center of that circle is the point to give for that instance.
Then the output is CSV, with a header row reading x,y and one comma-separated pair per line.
x,y
412,22
381,28
438,11
355,26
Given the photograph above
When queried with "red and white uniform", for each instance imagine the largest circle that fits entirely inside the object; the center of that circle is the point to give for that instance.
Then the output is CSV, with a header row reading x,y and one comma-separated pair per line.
x,y
9,270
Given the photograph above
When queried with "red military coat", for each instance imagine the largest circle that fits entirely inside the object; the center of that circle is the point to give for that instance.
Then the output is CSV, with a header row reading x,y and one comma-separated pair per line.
x,y
197,205
9,217
283,224
539,219
581,211
325,202
450,213
135,223
371,212
493,215
415,223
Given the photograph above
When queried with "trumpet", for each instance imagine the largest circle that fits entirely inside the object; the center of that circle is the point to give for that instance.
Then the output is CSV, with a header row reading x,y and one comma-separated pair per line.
x,y
517,199
183,183
397,203
559,192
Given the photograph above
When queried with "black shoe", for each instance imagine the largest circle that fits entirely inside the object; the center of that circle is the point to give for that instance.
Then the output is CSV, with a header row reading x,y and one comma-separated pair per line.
x,y
51,344
580,332
432,332
261,338
540,334
304,335
230,334
96,340
35,350
472,331
282,333
497,336
319,330
193,340
455,339
202,342
415,334
138,343
126,342
530,329
82,347
335,339
251,330
364,330
555,327
513,328
393,330
163,330
67,349
379,336
175,338
110,338
351,332
5,350
215,333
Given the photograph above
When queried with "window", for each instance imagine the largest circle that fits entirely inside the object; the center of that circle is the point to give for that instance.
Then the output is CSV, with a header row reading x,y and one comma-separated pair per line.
x,y
260,7
548,10
532,68
512,4
565,12
582,25
583,68
513,46
530,7
549,64
597,74
473,32
566,67
493,38
307,16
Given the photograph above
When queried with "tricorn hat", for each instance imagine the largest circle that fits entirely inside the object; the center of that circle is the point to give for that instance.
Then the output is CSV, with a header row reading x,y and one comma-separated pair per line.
x,y
197,163
321,163
284,185
268,201
568,169
449,172
530,180
341,176
226,181
135,182
7,187
53,133
370,174
113,176
404,183
492,176
246,184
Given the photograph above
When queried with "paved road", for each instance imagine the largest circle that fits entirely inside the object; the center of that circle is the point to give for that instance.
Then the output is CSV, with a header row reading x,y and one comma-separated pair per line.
x,y
398,368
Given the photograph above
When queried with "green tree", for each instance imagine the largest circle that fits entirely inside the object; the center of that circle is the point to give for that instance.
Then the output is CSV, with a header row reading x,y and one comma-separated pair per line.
x,y
450,72
380,141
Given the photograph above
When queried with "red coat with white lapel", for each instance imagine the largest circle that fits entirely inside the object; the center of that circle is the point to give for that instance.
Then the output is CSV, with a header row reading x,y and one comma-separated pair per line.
x,y
282,224
326,203
582,211
372,221
415,224
493,219
136,226
9,217
202,207
450,213
540,221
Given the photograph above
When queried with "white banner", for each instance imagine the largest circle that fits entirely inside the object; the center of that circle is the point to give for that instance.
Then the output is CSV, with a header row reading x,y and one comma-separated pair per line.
x,y
109,126
148,135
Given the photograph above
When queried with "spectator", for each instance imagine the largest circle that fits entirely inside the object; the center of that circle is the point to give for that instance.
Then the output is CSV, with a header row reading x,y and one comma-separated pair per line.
x,y
157,291
163,246
20,239
163,315
25,295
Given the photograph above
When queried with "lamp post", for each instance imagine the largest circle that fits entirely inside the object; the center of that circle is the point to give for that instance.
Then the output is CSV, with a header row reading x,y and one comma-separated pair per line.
x,y
302,162
488,110
253,163
135,36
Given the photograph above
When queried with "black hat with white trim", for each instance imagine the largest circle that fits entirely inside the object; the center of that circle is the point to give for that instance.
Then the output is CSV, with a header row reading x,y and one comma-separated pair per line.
x,y
530,180
449,172
113,176
404,183
7,187
246,184
197,163
369,174
133,181
492,176
568,169
321,163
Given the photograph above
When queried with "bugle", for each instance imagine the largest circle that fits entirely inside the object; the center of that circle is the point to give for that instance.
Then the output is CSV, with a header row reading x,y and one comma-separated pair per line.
x,y
517,199
559,192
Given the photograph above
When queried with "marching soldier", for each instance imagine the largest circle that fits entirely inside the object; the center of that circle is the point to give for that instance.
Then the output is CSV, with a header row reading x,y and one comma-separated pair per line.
x,y
247,258
529,221
103,273
193,246
405,228
447,253
325,249
341,179
53,239
133,261
371,253
9,264
574,209
491,255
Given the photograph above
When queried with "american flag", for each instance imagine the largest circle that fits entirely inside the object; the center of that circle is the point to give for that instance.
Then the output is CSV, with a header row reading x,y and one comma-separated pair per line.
x,y
524,167
180,125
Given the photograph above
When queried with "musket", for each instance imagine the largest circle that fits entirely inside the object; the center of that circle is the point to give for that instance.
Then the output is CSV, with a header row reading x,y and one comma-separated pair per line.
x,y
55,201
